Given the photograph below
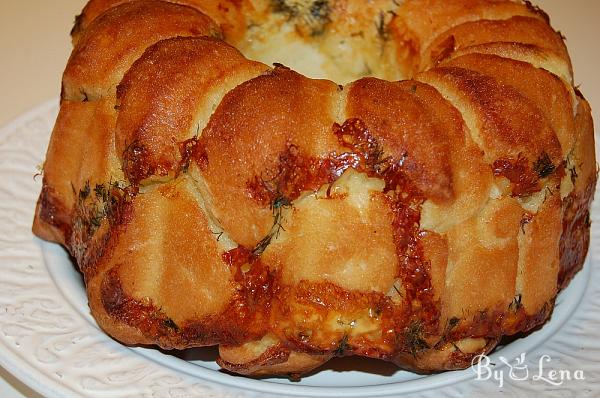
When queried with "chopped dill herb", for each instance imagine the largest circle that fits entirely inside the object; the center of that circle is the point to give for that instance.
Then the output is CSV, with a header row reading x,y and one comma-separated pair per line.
x,y
543,166
281,201
573,173
93,209
342,346
414,338
219,234
277,206
526,219
453,322
85,191
77,24
571,166
382,28
310,16
169,323
516,303
101,192
588,220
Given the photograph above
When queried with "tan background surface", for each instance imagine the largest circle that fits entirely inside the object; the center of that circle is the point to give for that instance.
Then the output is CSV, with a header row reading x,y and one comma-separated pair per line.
x,y
35,44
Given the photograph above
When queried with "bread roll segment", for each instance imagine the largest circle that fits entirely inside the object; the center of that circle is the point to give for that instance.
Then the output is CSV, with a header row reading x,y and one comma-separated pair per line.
x,y
186,75
210,199
109,46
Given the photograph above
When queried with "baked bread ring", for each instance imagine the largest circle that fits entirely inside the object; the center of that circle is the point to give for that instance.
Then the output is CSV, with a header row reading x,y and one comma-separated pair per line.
x,y
209,199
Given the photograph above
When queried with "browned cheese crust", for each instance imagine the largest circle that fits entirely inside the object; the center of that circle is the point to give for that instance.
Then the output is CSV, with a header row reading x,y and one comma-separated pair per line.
x,y
213,200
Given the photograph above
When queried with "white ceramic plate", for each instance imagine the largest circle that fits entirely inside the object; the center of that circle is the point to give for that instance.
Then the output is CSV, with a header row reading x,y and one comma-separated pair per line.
x,y
50,342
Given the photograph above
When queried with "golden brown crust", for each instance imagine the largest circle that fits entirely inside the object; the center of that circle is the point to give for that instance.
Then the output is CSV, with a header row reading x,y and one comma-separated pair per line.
x,y
267,357
525,30
420,22
390,110
69,169
209,199
113,41
316,247
558,108
507,124
575,238
483,255
186,75
262,117
230,15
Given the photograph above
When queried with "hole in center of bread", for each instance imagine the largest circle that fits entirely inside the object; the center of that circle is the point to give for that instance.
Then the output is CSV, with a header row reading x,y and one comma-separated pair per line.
x,y
322,40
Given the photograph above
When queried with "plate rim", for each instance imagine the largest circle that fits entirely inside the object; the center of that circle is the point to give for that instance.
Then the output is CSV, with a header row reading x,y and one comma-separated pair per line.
x,y
21,369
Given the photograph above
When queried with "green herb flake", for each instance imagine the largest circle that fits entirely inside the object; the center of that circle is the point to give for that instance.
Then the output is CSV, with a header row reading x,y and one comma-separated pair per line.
x,y
277,206
543,166
85,191
414,338
170,324
516,304
342,346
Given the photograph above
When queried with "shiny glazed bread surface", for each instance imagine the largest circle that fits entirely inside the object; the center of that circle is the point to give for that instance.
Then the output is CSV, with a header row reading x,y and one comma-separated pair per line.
x,y
213,200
